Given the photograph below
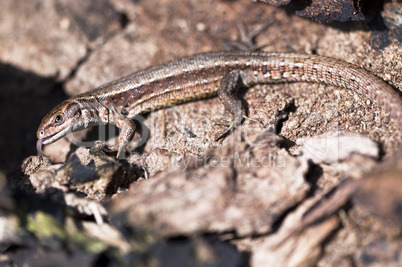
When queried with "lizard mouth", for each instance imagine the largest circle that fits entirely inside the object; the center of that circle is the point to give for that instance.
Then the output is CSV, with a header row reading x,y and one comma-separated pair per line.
x,y
50,139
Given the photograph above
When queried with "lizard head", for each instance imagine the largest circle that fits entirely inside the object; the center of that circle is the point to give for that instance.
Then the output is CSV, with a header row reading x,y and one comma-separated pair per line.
x,y
62,120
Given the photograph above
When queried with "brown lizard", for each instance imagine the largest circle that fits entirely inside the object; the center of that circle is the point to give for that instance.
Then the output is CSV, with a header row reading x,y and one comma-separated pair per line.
x,y
202,76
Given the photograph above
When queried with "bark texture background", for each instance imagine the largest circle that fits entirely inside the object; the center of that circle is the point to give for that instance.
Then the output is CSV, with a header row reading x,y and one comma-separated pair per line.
x,y
180,197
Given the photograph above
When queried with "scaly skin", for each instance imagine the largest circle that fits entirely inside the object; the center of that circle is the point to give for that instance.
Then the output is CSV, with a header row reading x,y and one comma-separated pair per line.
x,y
202,76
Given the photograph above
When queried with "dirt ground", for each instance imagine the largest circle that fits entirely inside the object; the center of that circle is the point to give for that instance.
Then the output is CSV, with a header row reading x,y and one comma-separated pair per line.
x,y
326,191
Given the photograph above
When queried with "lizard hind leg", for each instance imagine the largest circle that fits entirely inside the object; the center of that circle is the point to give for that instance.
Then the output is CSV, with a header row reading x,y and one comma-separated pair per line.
x,y
246,39
228,95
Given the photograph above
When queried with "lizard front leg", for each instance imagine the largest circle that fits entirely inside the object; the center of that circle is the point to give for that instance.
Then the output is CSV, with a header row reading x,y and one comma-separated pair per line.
x,y
127,130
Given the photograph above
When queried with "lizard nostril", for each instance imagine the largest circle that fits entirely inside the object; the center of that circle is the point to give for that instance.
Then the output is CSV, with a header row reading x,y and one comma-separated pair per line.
x,y
42,132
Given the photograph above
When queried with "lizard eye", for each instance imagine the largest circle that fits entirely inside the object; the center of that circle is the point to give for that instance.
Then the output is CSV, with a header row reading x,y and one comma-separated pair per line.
x,y
58,119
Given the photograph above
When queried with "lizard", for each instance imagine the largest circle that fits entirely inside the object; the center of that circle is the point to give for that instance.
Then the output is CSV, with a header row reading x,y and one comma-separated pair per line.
x,y
202,76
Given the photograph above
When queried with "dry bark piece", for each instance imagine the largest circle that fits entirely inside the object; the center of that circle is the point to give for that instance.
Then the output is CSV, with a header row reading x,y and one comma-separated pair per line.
x,y
289,248
275,2
107,234
329,10
334,147
381,194
392,15
324,10
245,191
90,172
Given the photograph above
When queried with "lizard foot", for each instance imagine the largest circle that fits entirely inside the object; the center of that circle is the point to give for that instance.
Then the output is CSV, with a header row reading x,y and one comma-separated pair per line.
x,y
246,40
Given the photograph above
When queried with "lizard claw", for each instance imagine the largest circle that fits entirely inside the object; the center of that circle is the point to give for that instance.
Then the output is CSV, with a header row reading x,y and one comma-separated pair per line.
x,y
235,122
225,133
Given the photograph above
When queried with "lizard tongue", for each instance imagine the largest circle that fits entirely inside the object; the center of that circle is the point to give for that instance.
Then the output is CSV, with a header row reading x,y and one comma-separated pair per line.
x,y
39,144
